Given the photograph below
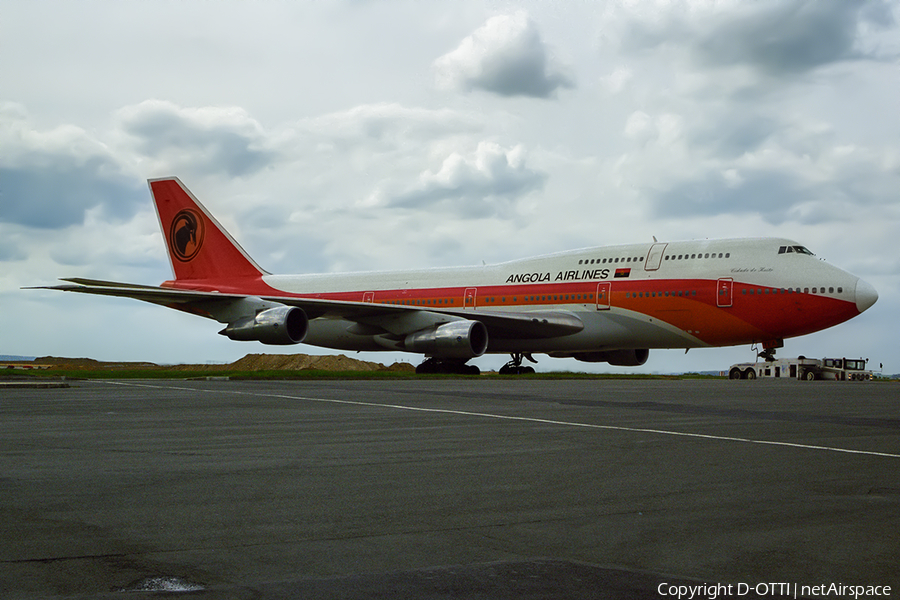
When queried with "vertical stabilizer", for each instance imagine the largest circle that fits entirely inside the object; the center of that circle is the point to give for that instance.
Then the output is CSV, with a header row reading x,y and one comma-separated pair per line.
x,y
199,247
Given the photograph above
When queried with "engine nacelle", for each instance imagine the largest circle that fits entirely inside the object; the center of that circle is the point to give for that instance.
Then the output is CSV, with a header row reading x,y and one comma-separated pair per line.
x,y
617,358
458,339
280,326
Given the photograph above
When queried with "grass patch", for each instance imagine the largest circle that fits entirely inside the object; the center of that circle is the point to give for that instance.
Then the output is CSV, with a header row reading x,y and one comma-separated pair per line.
x,y
315,374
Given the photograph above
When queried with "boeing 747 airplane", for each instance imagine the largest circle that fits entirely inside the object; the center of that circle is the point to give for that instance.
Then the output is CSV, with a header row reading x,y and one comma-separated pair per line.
x,y
606,304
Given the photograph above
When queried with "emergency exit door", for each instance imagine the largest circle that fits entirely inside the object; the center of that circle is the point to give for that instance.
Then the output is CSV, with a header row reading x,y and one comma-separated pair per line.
x,y
469,298
654,257
723,292
603,293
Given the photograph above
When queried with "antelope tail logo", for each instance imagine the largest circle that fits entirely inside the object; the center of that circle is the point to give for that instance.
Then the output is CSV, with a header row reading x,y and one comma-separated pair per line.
x,y
186,234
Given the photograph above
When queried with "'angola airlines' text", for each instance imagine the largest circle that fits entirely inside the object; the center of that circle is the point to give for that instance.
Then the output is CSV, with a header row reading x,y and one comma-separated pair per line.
x,y
561,276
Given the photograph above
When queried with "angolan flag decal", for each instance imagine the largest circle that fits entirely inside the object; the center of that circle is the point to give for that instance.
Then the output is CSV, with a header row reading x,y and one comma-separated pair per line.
x,y
623,272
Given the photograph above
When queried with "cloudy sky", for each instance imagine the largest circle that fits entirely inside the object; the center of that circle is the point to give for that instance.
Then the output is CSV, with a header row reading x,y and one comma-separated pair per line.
x,y
338,136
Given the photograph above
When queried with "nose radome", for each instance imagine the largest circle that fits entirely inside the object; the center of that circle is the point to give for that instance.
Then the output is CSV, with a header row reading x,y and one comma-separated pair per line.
x,y
865,295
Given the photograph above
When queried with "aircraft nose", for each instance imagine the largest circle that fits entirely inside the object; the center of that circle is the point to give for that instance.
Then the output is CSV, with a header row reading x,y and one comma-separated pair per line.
x,y
865,295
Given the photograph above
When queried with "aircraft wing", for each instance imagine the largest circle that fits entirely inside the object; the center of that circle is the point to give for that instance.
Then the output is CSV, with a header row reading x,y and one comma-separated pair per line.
x,y
391,318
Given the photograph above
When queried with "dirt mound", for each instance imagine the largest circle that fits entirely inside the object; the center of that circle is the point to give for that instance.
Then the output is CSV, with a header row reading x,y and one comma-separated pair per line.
x,y
251,362
300,362
89,363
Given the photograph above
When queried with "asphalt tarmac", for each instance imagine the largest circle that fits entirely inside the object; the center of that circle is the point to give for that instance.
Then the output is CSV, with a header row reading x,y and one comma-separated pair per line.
x,y
440,488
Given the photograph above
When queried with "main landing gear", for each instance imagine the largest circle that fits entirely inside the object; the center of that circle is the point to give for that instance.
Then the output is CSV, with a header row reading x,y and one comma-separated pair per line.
x,y
447,366
514,367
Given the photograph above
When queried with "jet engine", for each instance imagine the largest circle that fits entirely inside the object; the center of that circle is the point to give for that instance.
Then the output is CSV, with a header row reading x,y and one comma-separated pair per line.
x,y
457,339
281,326
617,358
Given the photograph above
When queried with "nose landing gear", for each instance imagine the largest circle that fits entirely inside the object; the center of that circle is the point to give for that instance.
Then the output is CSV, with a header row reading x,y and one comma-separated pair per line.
x,y
769,347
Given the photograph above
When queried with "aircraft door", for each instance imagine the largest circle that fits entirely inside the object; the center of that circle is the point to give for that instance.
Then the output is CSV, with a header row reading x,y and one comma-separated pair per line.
x,y
724,288
469,298
603,294
369,297
654,257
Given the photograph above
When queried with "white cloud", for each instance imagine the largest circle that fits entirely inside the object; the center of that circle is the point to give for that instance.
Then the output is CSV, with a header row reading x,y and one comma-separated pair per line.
x,y
774,40
210,139
387,122
616,81
506,56
708,164
50,178
480,183
786,38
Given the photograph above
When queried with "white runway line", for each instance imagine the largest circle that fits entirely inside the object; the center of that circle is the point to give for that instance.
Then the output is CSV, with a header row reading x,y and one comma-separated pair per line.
x,y
448,411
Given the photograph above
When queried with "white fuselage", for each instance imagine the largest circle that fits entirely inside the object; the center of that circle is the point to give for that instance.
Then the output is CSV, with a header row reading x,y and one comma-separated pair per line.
x,y
664,295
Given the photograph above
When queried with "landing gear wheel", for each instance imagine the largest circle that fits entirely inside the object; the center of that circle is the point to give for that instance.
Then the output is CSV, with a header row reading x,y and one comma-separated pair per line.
x,y
514,367
447,367
427,367
513,370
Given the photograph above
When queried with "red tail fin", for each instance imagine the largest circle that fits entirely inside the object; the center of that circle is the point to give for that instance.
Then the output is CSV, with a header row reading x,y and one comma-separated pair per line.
x,y
199,247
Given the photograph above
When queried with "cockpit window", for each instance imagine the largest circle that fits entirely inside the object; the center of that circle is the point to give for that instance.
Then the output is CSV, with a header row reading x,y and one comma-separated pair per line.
x,y
792,249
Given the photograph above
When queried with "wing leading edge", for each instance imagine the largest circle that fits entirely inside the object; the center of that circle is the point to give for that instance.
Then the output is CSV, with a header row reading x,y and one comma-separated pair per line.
x,y
375,318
